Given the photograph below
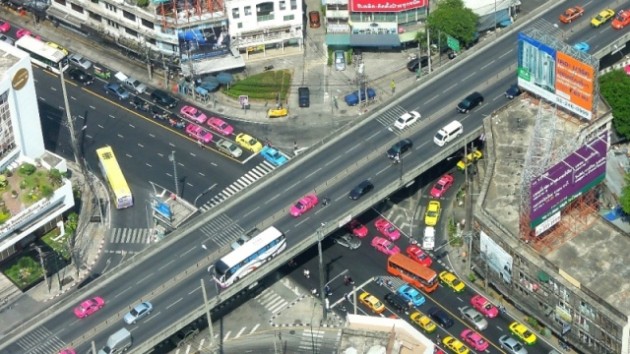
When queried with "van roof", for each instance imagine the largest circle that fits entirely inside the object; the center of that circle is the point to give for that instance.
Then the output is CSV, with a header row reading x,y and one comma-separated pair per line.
x,y
452,125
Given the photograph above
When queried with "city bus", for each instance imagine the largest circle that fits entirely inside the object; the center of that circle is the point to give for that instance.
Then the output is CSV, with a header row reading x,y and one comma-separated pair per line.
x,y
42,54
115,178
412,272
249,257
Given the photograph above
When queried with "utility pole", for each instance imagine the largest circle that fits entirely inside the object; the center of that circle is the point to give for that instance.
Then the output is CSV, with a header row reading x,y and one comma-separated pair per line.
x,y
208,318
321,272
43,265
171,158
429,49
468,209
70,122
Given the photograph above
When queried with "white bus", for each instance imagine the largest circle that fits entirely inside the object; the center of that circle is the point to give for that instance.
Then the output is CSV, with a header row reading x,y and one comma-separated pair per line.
x,y
249,257
42,54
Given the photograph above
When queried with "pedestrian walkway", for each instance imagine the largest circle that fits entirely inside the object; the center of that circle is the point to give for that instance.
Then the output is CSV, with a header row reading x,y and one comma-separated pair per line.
x,y
243,182
131,235
388,118
40,341
222,230
310,340
271,301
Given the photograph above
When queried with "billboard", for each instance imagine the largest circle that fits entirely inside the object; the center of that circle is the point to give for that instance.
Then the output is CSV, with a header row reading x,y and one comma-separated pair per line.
x,y
385,5
568,179
556,76
205,41
496,257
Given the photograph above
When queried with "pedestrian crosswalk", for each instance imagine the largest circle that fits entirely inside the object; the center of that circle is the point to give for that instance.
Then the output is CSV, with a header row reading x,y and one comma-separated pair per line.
x,y
243,182
130,235
271,301
222,230
40,341
388,118
311,340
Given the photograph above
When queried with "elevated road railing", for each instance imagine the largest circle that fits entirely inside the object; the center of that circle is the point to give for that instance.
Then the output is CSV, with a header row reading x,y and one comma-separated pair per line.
x,y
613,47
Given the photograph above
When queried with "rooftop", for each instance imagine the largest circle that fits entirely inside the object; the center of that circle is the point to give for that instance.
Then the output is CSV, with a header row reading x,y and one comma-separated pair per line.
x,y
8,57
594,258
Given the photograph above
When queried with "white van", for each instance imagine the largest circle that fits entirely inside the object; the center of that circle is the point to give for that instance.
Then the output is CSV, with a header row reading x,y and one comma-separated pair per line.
x,y
118,342
451,131
428,241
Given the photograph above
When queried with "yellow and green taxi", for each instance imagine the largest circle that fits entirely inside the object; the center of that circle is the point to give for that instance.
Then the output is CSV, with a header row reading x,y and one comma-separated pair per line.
x,y
452,281
372,302
602,17
432,215
454,345
469,159
523,333
423,321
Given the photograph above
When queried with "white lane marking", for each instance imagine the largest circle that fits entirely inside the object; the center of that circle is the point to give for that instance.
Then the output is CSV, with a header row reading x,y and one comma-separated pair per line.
x,y
240,332
174,303
167,264
506,53
253,210
468,77
312,173
449,88
255,328
333,160
487,65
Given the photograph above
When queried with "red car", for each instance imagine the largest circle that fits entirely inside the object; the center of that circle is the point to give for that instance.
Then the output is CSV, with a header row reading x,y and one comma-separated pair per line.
x,y
194,114
571,14
67,351
4,26
484,306
387,229
474,340
24,32
621,20
220,126
89,306
442,185
303,205
417,254
385,246
359,230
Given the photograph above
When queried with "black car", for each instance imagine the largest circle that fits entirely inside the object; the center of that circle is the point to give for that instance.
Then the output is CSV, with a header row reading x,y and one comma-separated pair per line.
x,y
513,92
362,189
441,317
399,148
139,104
397,302
80,76
471,101
413,64
304,97
163,98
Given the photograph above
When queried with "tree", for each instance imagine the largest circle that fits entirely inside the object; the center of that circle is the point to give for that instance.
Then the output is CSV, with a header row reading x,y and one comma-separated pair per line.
x,y
452,18
624,200
421,38
615,87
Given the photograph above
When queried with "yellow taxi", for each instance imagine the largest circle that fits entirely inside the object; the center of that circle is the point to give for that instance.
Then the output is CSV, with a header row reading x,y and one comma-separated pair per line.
x,y
423,321
372,302
249,143
432,215
469,159
452,281
58,47
454,345
523,333
603,17
277,112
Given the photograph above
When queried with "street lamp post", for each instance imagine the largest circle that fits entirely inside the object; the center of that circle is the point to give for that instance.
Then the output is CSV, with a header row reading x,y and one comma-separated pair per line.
x,y
321,271
204,193
171,158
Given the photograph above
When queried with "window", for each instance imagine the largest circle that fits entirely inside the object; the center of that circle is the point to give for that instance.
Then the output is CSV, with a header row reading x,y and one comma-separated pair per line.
x,y
150,40
77,8
95,16
236,13
112,24
62,2
111,7
7,137
248,10
293,4
128,15
283,4
147,24
131,32
289,17
94,1
239,25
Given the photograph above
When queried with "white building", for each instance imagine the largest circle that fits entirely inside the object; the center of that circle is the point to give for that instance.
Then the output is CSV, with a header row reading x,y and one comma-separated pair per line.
x,y
21,141
169,31
258,25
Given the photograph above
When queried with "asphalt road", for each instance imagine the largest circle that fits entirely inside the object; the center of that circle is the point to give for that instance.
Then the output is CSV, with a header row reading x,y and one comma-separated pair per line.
x,y
333,171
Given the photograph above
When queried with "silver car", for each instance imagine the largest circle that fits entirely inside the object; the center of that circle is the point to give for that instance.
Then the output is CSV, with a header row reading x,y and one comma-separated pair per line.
x,y
4,38
139,312
80,61
512,345
348,241
473,317
340,60
229,148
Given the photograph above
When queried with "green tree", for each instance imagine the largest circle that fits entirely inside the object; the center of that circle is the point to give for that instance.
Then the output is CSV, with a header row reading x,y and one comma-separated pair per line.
x,y
624,200
421,37
452,18
615,88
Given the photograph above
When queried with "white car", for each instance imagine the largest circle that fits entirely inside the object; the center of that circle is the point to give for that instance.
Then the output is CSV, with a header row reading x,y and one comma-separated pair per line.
x,y
407,119
428,241
80,61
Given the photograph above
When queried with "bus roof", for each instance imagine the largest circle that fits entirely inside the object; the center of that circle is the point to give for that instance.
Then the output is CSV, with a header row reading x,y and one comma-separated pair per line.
x,y
410,264
251,246
112,170
32,44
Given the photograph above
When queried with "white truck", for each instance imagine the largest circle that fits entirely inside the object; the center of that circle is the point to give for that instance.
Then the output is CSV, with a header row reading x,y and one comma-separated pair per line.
x,y
132,84
118,342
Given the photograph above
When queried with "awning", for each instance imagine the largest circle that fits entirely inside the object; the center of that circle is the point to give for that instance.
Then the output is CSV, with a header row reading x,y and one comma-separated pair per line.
x,y
340,40
374,40
408,36
543,277
64,17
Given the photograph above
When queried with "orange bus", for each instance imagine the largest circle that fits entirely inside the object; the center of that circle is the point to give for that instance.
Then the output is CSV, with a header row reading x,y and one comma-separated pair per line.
x,y
412,272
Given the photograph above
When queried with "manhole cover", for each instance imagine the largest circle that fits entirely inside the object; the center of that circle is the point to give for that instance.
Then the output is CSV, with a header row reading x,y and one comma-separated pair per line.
x,y
343,111
220,110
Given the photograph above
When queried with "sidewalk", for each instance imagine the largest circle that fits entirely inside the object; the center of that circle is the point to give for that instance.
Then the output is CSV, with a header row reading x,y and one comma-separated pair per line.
x,y
89,243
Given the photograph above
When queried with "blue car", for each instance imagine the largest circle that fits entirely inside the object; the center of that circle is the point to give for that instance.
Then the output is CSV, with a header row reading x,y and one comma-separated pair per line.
x,y
116,90
353,98
411,294
582,47
273,156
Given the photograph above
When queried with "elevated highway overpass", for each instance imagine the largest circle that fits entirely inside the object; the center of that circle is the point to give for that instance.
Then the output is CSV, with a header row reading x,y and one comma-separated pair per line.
x,y
169,274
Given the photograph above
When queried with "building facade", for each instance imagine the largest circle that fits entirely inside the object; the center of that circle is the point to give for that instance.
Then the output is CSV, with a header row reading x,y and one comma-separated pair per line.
x,y
21,141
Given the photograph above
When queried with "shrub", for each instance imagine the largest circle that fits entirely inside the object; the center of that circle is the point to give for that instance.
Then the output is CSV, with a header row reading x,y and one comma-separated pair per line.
x,y
27,169
47,191
142,3
55,177
4,216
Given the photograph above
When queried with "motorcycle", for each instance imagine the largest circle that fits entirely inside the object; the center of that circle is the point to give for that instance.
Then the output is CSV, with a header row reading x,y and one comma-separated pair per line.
x,y
140,104
177,123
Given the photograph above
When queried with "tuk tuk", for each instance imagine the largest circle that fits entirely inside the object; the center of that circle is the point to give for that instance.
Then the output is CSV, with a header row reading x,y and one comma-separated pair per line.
x,y
102,72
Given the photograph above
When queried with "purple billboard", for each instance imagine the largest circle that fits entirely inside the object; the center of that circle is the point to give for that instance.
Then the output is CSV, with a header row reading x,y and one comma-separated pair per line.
x,y
568,179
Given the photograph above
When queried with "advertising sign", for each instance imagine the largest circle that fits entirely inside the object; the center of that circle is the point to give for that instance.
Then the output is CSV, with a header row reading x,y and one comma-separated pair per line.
x,y
206,41
568,179
556,76
496,257
385,5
